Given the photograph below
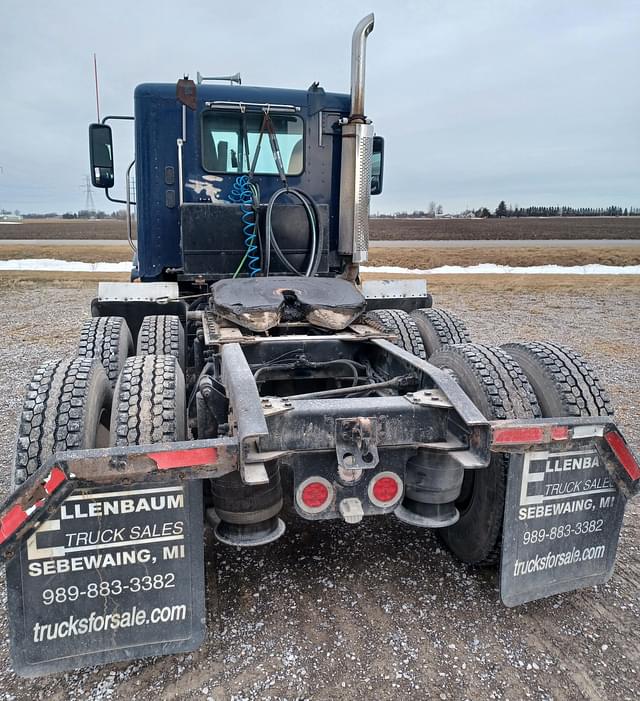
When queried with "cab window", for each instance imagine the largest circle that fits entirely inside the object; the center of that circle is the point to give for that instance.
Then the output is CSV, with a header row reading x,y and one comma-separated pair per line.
x,y
229,142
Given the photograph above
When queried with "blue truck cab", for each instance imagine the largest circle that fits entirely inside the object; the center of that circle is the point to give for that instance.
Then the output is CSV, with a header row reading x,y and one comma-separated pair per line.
x,y
196,146
226,120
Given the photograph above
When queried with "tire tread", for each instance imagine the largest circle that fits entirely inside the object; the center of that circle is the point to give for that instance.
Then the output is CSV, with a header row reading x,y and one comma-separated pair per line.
x,y
145,401
160,335
510,396
52,418
578,386
100,338
450,329
399,323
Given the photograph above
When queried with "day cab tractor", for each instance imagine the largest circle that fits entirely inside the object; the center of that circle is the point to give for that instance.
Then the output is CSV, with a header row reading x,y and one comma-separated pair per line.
x,y
246,376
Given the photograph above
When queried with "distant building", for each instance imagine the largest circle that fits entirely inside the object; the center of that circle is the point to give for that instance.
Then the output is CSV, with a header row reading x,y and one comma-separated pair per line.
x,y
10,218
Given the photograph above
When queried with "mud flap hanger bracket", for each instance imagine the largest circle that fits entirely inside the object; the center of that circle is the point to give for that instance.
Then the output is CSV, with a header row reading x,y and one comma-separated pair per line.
x,y
35,500
565,434
246,413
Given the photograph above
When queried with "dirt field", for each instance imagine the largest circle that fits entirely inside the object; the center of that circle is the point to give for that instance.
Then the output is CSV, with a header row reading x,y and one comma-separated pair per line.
x,y
402,229
406,257
378,610
88,254
529,228
427,258
65,229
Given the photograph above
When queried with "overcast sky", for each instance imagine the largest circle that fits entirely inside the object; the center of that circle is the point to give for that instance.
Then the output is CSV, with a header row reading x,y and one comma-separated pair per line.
x,y
533,102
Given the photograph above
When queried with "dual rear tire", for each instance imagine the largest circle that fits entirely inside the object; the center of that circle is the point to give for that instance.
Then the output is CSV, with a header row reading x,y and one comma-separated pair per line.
x,y
149,392
422,332
67,407
516,381
72,404
497,386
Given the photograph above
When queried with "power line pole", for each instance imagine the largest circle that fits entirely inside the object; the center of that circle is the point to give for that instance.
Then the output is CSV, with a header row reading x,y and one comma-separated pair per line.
x,y
89,204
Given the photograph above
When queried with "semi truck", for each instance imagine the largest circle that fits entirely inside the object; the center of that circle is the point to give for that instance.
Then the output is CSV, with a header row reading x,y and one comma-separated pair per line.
x,y
248,375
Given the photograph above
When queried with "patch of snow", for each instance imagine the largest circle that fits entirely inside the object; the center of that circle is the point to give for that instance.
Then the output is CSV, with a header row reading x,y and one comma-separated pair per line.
x,y
56,265
493,269
63,266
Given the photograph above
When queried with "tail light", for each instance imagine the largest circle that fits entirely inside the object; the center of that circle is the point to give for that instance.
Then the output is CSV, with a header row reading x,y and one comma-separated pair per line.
x,y
385,489
314,494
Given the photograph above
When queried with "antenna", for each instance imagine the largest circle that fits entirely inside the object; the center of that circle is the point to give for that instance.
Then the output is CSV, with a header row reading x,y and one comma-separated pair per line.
x,y
89,204
95,76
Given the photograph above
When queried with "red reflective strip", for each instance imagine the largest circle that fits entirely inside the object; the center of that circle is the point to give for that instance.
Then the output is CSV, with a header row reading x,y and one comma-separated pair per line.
x,y
172,459
559,433
524,434
55,479
621,450
14,518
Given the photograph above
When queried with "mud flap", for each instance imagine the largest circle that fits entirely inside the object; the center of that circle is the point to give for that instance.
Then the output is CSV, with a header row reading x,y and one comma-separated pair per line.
x,y
115,574
562,520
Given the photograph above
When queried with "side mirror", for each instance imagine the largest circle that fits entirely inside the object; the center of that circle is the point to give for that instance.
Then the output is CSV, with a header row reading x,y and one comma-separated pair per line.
x,y
101,155
377,165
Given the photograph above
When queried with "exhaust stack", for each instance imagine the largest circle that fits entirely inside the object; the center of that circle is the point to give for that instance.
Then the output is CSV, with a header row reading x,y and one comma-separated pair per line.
x,y
358,65
357,147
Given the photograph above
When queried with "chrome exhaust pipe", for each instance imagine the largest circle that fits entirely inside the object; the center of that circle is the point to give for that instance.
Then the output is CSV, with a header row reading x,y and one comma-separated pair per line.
x,y
358,61
357,148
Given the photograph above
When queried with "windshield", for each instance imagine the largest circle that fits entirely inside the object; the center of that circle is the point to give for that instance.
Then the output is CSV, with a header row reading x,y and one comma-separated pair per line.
x,y
229,142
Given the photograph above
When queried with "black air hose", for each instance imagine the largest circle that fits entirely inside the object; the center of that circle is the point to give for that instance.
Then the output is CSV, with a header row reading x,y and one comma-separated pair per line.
x,y
315,249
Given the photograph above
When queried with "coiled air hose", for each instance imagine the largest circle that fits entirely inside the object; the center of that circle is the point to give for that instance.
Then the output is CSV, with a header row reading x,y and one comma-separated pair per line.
x,y
315,250
245,194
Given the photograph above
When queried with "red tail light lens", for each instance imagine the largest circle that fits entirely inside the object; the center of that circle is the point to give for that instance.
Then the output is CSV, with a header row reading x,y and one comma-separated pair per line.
x,y
314,494
385,489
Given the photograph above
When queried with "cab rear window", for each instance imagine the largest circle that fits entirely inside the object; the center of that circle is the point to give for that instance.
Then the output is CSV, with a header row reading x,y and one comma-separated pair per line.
x,y
229,142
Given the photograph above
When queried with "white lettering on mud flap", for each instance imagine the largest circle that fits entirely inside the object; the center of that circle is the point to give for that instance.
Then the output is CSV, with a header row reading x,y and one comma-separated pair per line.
x,y
561,524
113,575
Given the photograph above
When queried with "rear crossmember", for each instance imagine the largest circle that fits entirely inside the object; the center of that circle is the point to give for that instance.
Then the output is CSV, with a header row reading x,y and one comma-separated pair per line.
x,y
38,498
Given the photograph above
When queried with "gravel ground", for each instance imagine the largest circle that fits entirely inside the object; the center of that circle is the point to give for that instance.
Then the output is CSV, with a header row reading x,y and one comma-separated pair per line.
x,y
375,611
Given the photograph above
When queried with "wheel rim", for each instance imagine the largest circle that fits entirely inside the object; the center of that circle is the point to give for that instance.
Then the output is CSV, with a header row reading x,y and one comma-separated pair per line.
x,y
463,502
103,434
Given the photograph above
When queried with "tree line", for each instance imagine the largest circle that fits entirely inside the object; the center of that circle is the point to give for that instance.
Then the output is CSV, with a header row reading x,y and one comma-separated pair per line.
x,y
81,214
504,210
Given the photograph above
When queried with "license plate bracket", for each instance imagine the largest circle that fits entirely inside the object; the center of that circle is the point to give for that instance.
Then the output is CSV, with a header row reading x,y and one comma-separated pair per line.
x,y
562,522
115,574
